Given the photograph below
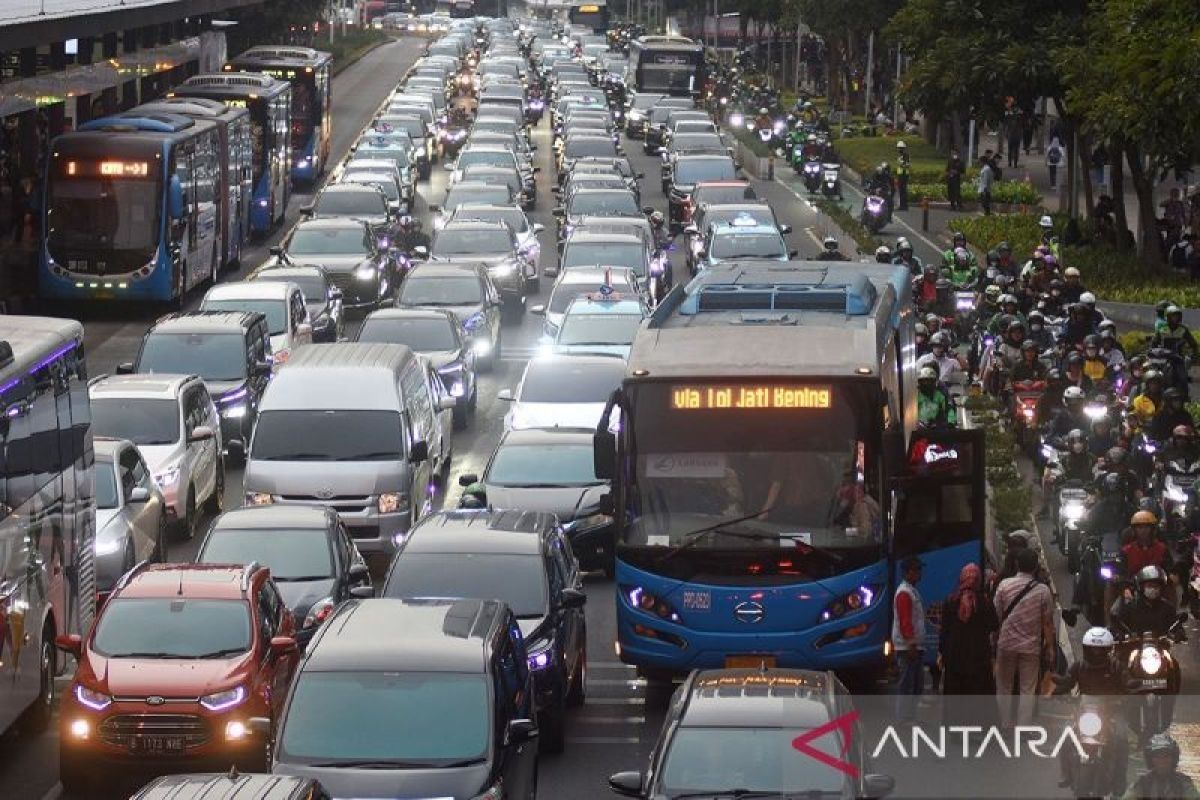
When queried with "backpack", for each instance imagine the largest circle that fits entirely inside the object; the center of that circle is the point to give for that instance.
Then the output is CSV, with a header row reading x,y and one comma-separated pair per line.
x,y
1054,156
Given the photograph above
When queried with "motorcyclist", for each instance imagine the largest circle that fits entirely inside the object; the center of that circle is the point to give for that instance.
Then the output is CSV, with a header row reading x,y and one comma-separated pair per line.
x,y
989,306
933,407
1117,462
1069,416
948,365
883,255
409,235
1010,309
1163,780
1030,367
921,338
1095,366
1010,348
1035,277
1111,352
1004,260
1135,375
1049,240
659,229
1160,314
1052,397
1146,404
1143,550
925,288
964,273
1172,420
1174,335
1072,288
943,305
1038,332
763,121
1088,300
904,256
812,148
1076,463
1051,302
1073,372
1103,436
1098,674
831,251
1079,325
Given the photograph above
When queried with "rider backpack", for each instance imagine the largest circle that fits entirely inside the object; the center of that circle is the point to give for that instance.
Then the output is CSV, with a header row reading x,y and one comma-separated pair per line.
x,y
1054,156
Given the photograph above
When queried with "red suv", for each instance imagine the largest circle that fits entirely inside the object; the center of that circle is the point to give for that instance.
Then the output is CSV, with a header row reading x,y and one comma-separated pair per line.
x,y
180,658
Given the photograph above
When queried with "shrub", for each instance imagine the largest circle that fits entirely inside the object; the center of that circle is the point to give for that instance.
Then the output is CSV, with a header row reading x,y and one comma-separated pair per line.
x,y
849,223
1134,342
1194,409
1016,192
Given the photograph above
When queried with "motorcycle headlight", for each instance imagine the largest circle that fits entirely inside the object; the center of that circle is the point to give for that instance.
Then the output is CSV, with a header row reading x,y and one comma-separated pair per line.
x,y
365,273
1073,512
391,502
1090,723
219,701
737,120
1048,452
97,701
1095,411
541,655
1151,660
1107,573
168,477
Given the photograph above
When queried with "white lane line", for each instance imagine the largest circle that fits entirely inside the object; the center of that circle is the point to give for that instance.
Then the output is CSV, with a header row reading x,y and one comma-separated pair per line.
x,y
937,248
604,740
610,665
812,235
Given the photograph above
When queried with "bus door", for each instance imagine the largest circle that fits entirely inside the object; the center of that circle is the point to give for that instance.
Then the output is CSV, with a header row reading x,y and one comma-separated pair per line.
x,y
940,508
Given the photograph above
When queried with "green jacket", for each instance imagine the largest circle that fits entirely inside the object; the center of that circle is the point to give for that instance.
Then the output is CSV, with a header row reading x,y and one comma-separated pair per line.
x,y
933,409
964,277
948,259
994,324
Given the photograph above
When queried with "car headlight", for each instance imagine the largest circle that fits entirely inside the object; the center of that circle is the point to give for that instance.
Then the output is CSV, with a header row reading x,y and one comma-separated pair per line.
x,y
1090,723
168,477
541,655
1151,660
365,273
234,412
590,522
97,701
259,499
481,347
1073,512
219,701
319,612
643,600
391,502
107,547
862,597
504,270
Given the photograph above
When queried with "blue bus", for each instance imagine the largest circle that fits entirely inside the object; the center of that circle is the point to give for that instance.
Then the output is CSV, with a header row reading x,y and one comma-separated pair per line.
x,y
269,103
309,73
768,476
132,209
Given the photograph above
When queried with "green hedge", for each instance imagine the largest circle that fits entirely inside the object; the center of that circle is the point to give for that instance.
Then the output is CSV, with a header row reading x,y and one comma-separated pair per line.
x,y
1112,274
752,142
1194,409
864,153
848,222
1017,192
1012,497
353,46
1134,342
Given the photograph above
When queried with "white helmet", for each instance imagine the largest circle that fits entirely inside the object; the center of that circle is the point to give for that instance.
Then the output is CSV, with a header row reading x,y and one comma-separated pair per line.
x,y
927,374
1098,637
1072,393
1046,222
1088,299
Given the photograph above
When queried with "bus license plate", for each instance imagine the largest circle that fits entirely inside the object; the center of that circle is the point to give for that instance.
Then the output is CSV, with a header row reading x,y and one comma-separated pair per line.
x,y
749,662
158,745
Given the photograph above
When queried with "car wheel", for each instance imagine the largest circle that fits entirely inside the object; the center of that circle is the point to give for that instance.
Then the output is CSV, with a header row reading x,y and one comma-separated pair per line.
x,y
552,724
578,692
217,500
473,403
37,718
160,541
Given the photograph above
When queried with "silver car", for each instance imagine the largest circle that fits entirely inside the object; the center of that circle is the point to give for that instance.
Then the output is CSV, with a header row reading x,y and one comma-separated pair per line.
x,y
563,391
131,519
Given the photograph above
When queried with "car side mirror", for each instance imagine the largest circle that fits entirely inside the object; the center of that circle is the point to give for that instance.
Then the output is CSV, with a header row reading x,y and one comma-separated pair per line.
x,y
366,592
573,598
520,731
505,394
282,645
262,368
419,452
139,494
200,433
607,504
648,210
468,479
276,251
627,784
308,210
640,175
70,643
604,454
358,573
876,785
125,368
793,253
421,252
785,228
435,209
538,227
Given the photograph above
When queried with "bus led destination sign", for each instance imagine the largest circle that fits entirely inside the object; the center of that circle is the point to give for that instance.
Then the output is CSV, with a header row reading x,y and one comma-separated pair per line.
x,y
777,396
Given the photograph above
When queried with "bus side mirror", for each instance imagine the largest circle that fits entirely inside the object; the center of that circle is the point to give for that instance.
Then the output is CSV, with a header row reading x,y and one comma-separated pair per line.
x,y
604,454
176,199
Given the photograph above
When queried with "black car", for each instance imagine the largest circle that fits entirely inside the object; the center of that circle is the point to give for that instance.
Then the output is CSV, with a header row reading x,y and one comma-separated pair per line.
x,y
687,171
308,550
438,335
550,470
524,560
465,289
722,721
412,698
324,300
231,785
493,244
350,252
229,350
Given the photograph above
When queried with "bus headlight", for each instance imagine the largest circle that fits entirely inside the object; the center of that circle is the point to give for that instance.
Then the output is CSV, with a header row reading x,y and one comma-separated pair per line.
x,y
643,600
862,597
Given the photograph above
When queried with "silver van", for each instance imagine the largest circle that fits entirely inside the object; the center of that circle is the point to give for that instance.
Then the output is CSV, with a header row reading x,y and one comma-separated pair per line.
x,y
352,426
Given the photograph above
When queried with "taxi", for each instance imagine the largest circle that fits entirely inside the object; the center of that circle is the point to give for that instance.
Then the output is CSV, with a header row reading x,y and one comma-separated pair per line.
x,y
740,239
603,322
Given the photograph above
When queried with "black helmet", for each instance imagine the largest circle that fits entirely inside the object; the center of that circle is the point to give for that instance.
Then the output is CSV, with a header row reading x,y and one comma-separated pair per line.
x,y
1113,483
1161,307
1116,455
1091,340
470,501
1056,285
1004,247
960,239
1161,744
1150,574
1174,393
1037,317
1004,322
943,283
1074,359
1029,345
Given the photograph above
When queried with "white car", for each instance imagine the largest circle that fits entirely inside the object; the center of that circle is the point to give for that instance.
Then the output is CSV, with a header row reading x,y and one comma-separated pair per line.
x,y
172,421
281,303
131,516
579,282
563,391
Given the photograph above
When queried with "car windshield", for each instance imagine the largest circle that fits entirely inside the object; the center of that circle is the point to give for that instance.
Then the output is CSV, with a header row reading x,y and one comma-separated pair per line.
x,y
518,580
542,465
276,311
460,193
748,245
646,100
382,182
696,141
577,148
290,553
441,290
604,203
351,204
757,759
458,241
141,421
513,217
556,381
413,126
421,719
724,194
605,254
313,287
691,170
106,482
488,158
358,435
397,155
328,242
599,329
212,356
172,627
420,334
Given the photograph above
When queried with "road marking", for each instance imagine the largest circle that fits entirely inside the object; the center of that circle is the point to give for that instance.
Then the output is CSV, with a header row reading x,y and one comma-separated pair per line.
x,y
54,793
813,236
937,248
604,739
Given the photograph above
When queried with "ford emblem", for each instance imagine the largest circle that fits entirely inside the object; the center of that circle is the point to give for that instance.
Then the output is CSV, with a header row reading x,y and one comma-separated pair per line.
x,y
155,700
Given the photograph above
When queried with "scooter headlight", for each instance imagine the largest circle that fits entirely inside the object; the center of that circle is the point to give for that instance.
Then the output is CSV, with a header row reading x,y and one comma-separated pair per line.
x,y
1073,512
1151,660
1090,723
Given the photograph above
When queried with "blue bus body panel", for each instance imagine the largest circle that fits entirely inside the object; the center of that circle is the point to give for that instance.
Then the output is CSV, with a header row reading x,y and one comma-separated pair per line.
x,y
305,170
789,630
261,219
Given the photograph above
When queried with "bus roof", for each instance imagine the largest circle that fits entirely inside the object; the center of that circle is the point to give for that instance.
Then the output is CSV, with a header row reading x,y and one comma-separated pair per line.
x,y
282,56
198,107
249,85
25,341
771,318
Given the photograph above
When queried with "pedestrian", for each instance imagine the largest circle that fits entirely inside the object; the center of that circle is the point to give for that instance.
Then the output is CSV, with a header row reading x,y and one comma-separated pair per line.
x,y
965,644
1026,641
1175,215
908,639
1015,129
1054,157
903,168
954,175
984,184
1097,163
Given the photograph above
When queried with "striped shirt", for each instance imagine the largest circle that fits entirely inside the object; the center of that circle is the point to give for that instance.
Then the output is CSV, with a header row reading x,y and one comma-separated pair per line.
x,y
1022,629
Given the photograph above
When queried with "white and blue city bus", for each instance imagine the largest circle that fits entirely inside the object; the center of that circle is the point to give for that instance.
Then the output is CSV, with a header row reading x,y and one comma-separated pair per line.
x,y
132,209
47,509
762,497
310,74
269,102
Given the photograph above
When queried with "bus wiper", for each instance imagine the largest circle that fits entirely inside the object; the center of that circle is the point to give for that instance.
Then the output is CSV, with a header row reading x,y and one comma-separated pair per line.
x,y
796,538
737,794
695,536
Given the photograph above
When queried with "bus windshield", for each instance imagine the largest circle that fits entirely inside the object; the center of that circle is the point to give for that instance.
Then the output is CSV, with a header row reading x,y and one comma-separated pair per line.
x,y
102,219
668,78
787,459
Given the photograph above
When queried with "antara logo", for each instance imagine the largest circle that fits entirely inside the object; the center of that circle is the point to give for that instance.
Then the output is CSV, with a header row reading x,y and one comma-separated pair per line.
x,y
844,725
1024,739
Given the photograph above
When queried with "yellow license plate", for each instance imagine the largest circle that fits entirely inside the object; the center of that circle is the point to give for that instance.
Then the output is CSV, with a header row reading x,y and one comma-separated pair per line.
x,y
749,662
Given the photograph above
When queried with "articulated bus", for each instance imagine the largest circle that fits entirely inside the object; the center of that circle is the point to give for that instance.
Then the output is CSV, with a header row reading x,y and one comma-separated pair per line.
x,y
309,72
269,102
672,65
132,209
592,15
763,497
47,509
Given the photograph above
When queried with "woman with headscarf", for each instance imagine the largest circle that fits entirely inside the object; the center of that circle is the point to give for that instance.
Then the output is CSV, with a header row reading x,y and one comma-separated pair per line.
x,y
965,647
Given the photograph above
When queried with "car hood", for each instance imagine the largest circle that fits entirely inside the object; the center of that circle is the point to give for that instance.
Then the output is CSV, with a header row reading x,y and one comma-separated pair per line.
x,y
461,313
146,677
300,595
491,259
621,350
346,263
567,503
461,783
440,358
105,527
159,456
350,478
556,415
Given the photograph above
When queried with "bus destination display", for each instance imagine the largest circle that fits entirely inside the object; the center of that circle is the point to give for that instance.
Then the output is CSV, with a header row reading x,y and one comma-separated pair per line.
x,y
107,169
743,396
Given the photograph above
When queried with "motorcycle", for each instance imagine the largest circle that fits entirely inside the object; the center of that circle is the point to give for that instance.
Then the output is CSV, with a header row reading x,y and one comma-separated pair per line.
x,y
1178,496
1069,512
1153,676
812,176
1025,398
1192,591
831,181
1099,771
660,282
874,213
1099,569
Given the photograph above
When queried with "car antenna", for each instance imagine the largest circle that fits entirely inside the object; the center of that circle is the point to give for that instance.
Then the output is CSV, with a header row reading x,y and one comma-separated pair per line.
x,y
233,773
179,592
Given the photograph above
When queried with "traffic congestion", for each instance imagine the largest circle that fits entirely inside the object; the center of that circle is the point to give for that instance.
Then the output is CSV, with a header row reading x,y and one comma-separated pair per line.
x,y
475,425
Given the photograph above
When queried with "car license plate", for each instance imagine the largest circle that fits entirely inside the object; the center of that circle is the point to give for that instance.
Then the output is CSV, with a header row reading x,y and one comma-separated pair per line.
x,y
158,745
1154,683
749,662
